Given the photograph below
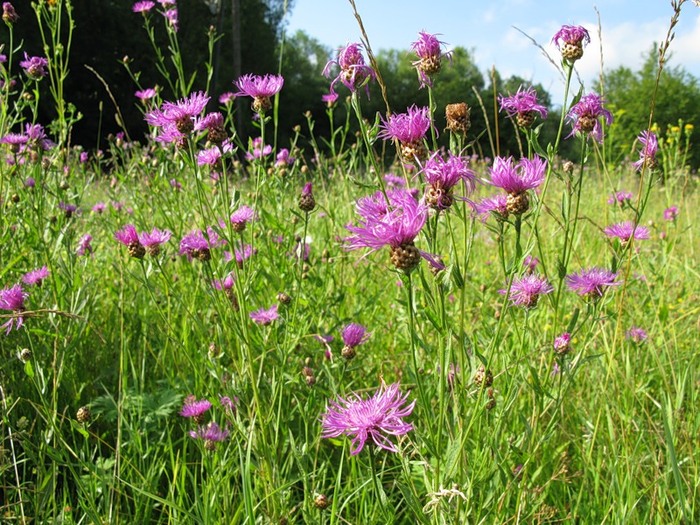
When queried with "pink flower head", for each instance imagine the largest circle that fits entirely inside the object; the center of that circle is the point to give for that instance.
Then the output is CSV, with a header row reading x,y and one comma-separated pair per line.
x,y
242,255
409,127
265,316
585,116
258,149
636,334
443,175
143,7
226,98
34,67
241,217
377,418
591,283
570,40
647,155
562,343
522,106
354,73
209,157
429,51
394,181
627,230
671,213
146,94
84,246
526,291
195,246
13,299
224,284
211,434
171,15
620,198
527,174
130,238
9,15
195,408
531,263
152,241
176,119
260,88
329,98
35,277
354,335
283,158
15,141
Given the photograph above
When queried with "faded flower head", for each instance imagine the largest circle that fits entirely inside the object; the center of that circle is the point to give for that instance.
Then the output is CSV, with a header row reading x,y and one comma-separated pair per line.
x,y
526,291
12,299
34,67
458,118
429,51
443,175
260,88
570,40
627,230
378,418
354,72
35,277
591,283
265,316
586,114
522,106
647,155
9,15
636,334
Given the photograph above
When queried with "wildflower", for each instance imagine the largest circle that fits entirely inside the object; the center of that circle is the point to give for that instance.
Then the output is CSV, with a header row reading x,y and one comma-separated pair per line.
x,y
530,263
83,157
258,149
562,344
68,209
241,217
34,67
195,246
211,434
585,116
35,277
195,409
647,155
130,238
226,98
210,157
83,415
592,283
442,176
265,316
396,224
377,418
627,230
307,202
9,15
176,119
671,213
636,334
175,184
516,180
152,241
409,129
428,50
13,299
283,158
242,255
171,15
84,246
143,7
620,198
228,404
29,182
15,141
523,106
393,181
353,336
147,94
36,137
526,291
354,73
457,118
260,89
329,98
570,41
213,123
226,285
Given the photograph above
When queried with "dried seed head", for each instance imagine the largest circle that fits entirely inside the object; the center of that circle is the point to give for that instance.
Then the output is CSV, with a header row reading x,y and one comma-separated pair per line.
x,y
405,257
483,377
83,415
517,203
321,501
458,118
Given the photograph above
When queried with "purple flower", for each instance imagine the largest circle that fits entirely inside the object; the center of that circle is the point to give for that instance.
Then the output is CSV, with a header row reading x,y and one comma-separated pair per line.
x,y
531,263
83,157
34,67
395,224
143,7
15,141
329,98
228,404
35,277
195,246
636,334
671,213
570,41
30,182
620,198
174,184
68,209
429,51
260,88
527,174
84,246
283,158
258,150
130,238
147,94
523,106
496,204
176,119
354,73
99,207
224,284
171,15
394,181
585,116
526,291
13,299
354,335
152,241
647,155
443,176
241,217
265,317
377,418
195,408
211,434
213,123
562,344
226,98
9,15
409,129
591,283
627,230
209,157
242,255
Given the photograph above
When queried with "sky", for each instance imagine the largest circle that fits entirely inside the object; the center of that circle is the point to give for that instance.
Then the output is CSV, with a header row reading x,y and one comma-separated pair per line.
x,y
488,30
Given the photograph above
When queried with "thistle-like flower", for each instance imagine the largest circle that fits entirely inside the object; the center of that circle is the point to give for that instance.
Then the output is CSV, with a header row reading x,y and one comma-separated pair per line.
x,y
143,7
12,299
527,174
195,409
129,237
9,15
496,205
429,51
307,202
671,213
354,72
176,119
409,129
376,418
570,40
153,240
211,434
647,155
527,290
442,176
592,283
213,124
562,344
84,245
636,334
265,316
353,336
523,106
627,230
36,277
260,88
458,118
586,114
241,217
34,67
620,198
195,246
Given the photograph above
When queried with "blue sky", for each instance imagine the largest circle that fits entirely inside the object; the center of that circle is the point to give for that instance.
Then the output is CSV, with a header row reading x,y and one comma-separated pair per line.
x,y
629,27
